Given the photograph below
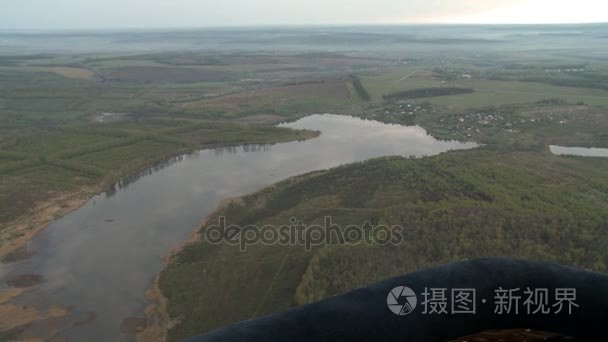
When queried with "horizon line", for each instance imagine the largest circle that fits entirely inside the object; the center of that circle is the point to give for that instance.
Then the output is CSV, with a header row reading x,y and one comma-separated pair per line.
x,y
249,26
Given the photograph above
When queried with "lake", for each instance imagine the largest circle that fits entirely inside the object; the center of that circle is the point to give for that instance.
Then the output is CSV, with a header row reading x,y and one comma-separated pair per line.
x,y
579,151
99,260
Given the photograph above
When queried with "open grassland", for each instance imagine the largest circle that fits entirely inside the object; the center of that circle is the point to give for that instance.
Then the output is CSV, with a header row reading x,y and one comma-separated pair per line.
x,y
167,74
453,206
79,73
65,71
47,90
486,91
512,92
289,98
40,91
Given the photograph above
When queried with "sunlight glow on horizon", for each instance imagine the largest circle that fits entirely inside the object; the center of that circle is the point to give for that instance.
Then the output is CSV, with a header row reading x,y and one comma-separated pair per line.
x,y
535,12
111,14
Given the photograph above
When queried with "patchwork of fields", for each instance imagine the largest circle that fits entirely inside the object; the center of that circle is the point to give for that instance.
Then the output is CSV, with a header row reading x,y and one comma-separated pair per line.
x,y
75,122
50,105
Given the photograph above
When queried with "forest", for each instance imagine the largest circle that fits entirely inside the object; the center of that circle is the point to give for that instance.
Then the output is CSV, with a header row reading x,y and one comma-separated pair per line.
x,y
454,206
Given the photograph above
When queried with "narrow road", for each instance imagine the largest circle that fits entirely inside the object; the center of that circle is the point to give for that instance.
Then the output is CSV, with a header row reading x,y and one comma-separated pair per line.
x,y
407,76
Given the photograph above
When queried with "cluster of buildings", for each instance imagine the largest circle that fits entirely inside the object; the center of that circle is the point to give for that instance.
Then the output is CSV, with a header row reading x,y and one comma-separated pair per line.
x,y
475,122
402,111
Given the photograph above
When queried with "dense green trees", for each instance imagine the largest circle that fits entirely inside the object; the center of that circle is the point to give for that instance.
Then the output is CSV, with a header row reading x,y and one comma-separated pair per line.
x,y
454,206
426,92
360,89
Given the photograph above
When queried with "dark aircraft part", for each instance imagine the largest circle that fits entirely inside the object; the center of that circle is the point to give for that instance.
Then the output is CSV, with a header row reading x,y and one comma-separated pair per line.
x,y
364,314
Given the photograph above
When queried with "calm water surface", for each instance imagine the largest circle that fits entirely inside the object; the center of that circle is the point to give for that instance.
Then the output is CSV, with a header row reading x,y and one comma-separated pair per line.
x,y
579,151
99,259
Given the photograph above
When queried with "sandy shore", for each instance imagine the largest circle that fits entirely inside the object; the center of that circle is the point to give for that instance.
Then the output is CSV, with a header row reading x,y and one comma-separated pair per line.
x,y
17,235
18,232
23,229
14,316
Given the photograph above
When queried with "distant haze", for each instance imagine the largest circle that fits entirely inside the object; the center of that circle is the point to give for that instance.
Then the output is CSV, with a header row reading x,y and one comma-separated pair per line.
x,y
115,14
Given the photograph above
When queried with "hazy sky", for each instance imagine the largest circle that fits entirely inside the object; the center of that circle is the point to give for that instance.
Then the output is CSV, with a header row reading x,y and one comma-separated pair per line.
x,y
62,14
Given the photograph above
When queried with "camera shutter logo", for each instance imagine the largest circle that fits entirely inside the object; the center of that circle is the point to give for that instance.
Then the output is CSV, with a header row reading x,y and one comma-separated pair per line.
x,y
401,300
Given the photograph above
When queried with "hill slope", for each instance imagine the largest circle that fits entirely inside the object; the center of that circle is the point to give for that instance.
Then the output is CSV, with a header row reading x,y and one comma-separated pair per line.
x,y
453,206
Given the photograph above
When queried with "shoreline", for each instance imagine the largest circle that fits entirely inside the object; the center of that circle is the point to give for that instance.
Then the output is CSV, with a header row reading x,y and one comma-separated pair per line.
x,y
156,315
44,214
194,236
18,232
52,209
